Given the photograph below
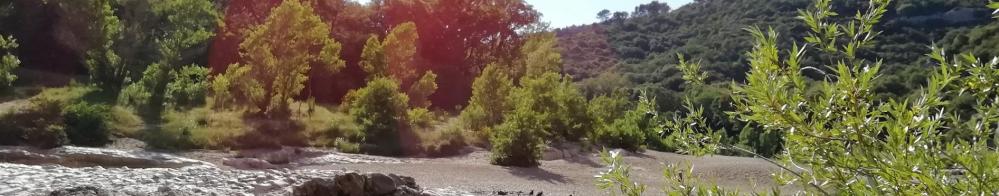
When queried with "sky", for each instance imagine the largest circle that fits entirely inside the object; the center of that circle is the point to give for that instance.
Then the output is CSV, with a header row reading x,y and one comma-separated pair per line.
x,y
562,13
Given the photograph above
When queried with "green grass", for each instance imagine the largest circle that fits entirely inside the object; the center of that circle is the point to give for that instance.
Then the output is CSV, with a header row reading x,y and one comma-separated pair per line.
x,y
199,128
328,128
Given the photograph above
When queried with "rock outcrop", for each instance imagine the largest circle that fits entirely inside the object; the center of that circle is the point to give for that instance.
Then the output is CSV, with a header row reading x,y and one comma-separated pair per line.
x,y
354,184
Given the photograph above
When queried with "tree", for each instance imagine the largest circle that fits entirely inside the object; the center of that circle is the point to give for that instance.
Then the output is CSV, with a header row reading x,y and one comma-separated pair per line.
x,y
603,15
488,104
102,61
400,50
540,55
420,92
518,141
279,53
186,27
8,62
373,58
380,109
458,37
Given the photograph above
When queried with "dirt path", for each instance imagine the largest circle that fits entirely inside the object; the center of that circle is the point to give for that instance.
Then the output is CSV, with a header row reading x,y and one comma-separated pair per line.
x,y
567,177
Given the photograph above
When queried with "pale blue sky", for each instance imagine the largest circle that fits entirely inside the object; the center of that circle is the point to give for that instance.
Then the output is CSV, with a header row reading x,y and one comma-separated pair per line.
x,y
563,13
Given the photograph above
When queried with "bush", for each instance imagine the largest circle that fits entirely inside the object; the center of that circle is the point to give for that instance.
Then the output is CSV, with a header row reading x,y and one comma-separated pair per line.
x,y
558,102
189,86
635,128
625,133
518,141
38,125
444,140
345,146
379,108
419,117
328,128
86,124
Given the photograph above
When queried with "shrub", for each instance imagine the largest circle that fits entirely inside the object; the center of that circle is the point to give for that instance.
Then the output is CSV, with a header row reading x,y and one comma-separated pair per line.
x,y
189,86
345,146
558,102
445,140
328,128
419,117
420,92
635,128
625,132
379,108
518,141
38,125
86,124
607,108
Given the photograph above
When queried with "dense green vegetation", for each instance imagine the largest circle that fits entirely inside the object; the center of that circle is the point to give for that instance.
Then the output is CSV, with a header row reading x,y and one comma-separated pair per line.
x,y
840,137
849,94
640,48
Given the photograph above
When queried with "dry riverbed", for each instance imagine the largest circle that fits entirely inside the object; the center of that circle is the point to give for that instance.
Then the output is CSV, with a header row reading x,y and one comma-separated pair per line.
x,y
203,172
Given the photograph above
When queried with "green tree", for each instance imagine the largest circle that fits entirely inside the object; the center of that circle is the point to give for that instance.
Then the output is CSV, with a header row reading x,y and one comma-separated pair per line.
x,y
539,56
373,58
400,50
8,62
518,141
102,61
279,54
380,109
186,27
489,99
420,92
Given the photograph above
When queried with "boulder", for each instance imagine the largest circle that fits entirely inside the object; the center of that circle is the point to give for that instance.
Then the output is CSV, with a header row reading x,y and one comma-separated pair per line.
x,y
350,184
318,186
354,184
380,184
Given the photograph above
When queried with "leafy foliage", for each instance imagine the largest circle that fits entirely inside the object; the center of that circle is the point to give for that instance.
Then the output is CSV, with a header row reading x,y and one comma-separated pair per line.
x,y
518,141
420,92
400,50
489,103
86,124
633,130
8,62
279,54
189,86
380,110
618,175
843,141
102,61
39,125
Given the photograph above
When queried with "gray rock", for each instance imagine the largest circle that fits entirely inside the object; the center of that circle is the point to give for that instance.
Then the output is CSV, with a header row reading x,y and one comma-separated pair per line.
x,y
350,184
380,184
318,186
354,184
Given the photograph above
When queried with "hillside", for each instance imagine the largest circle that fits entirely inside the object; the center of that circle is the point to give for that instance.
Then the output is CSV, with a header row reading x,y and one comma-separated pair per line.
x,y
646,41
